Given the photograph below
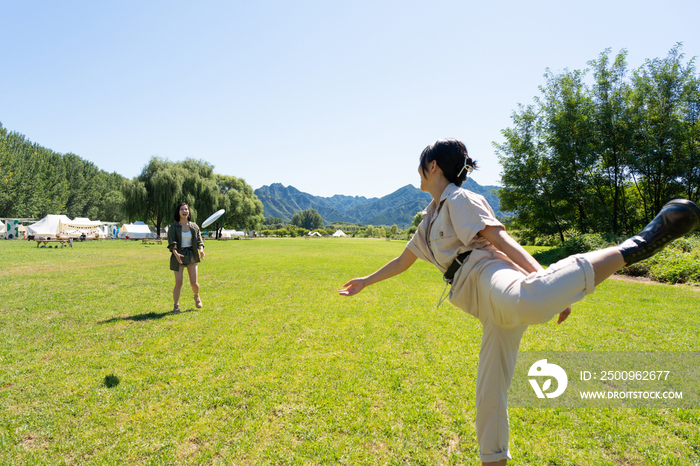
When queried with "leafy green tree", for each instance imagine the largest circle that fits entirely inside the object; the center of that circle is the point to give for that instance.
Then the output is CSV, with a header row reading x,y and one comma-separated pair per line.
x,y
659,98
417,219
243,208
613,139
690,140
527,174
272,221
567,110
308,219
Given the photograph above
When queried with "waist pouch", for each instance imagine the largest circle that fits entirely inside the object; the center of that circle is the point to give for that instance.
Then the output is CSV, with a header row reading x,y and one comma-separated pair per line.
x,y
455,265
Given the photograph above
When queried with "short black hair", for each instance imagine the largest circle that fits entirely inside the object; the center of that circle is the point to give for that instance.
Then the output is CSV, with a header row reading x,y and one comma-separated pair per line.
x,y
451,156
177,212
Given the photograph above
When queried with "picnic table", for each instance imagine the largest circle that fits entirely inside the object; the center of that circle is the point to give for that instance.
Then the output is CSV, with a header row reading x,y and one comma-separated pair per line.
x,y
155,240
63,242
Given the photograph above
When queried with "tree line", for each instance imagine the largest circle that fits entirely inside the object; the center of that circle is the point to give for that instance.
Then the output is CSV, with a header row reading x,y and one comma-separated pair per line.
x,y
36,181
603,155
306,221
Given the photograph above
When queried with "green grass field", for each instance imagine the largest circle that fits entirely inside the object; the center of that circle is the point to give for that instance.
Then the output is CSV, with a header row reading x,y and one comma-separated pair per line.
x,y
278,369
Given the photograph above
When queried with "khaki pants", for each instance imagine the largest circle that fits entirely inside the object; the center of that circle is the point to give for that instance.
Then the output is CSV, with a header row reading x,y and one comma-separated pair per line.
x,y
509,302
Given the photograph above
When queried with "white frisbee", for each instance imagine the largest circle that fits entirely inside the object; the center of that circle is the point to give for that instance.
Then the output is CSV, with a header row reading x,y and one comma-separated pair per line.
x,y
214,217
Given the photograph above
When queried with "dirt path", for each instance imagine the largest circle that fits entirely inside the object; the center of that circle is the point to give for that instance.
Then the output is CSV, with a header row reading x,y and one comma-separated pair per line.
x,y
628,278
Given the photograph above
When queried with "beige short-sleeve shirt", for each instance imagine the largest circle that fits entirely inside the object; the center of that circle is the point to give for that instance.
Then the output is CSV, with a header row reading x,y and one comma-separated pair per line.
x,y
450,228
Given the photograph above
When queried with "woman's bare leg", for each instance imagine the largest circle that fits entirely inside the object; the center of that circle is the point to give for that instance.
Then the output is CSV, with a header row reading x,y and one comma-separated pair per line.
x,y
178,286
192,272
605,262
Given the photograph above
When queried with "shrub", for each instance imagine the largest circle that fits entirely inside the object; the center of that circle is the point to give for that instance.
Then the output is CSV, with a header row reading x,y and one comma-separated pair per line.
x,y
675,266
577,244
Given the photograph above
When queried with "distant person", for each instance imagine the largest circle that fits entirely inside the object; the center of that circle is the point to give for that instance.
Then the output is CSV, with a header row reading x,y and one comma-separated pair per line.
x,y
187,249
495,280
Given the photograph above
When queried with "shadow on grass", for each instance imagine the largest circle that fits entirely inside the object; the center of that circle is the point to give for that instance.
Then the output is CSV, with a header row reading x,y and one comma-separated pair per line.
x,y
140,317
111,381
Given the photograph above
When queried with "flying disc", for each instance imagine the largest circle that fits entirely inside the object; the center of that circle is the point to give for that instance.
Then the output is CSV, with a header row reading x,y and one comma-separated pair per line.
x,y
214,217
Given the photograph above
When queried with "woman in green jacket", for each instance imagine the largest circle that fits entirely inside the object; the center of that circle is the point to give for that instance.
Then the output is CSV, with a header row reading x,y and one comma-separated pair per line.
x,y
187,249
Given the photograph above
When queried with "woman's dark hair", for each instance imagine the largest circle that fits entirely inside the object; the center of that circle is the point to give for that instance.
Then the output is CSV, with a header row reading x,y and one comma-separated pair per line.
x,y
452,158
177,212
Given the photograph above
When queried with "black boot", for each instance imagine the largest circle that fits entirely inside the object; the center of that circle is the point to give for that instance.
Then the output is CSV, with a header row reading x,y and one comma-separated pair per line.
x,y
676,218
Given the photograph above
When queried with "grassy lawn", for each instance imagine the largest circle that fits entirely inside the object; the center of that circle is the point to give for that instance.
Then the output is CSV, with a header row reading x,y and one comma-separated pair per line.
x,y
278,369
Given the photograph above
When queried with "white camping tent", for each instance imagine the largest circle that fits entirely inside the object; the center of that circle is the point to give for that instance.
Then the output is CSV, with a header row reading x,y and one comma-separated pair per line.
x,y
314,233
339,233
52,226
47,227
231,233
136,230
2,229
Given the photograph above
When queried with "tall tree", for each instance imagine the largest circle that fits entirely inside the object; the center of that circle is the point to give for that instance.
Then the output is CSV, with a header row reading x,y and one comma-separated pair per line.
x,y
309,219
527,174
690,136
658,100
243,208
613,138
567,110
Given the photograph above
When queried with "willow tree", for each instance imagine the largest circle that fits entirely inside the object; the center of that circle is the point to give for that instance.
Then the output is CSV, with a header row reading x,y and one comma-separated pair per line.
x,y
154,194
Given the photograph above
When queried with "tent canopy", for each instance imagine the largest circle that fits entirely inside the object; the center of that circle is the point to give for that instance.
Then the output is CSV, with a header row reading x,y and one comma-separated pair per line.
x,y
79,226
339,233
47,226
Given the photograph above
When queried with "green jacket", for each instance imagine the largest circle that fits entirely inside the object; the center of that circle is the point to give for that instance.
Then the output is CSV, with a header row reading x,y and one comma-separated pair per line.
x,y
175,242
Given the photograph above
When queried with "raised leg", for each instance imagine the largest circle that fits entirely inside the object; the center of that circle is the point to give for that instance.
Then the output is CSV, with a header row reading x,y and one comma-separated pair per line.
x,y
605,262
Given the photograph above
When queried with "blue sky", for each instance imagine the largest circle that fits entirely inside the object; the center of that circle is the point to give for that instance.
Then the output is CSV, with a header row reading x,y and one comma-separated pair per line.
x,y
329,97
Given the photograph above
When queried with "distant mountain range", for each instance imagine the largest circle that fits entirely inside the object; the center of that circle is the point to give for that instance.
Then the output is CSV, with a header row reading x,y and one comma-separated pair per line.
x,y
397,208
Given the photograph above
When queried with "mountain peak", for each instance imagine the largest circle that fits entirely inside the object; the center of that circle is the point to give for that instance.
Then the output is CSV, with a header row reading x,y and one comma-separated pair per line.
x,y
398,207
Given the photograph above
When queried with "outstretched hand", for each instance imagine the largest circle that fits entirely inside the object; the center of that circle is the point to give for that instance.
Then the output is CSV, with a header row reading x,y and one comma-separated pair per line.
x,y
563,315
352,287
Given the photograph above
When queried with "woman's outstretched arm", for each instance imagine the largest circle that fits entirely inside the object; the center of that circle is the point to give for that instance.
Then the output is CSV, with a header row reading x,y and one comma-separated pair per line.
x,y
392,268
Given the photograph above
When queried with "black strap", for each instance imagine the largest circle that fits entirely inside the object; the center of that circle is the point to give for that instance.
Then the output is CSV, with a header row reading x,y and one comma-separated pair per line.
x,y
456,264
